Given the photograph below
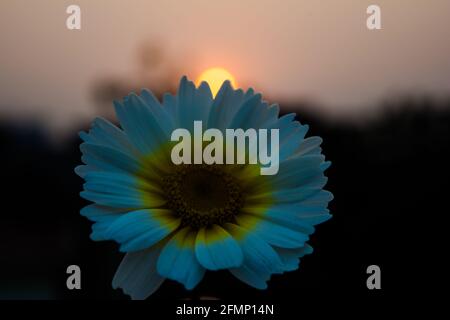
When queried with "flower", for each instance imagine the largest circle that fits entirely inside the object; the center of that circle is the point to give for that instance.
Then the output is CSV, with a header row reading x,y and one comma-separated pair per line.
x,y
177,221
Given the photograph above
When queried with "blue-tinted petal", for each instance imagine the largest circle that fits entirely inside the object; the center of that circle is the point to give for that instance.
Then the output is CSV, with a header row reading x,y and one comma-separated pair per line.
x,y
100,213
295,194
216,249
108,159
137,275
248,114
192,104
251,276
141,229
170,104
286,216
321,197
140,124
296,172
103,217
185,100
288,126
113,189
178,262
124,185
273,233
83,170
309,146
303,192
164,117
202,103
113,179
127,201
225,105
258,255
324,166
291,257
289,145
270,117
314,218
99,229
104,133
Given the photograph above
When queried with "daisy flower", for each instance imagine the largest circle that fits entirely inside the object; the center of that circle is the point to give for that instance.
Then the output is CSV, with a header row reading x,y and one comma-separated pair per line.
x,y
177,221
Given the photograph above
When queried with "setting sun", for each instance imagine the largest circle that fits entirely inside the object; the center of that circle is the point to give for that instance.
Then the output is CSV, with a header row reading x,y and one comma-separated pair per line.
x,y
215,77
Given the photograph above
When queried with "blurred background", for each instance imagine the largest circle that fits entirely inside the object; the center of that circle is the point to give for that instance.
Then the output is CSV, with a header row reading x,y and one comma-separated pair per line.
x,y
380,99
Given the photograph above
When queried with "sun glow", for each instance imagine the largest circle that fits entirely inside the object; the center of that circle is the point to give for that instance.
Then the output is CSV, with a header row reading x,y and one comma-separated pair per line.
x,y
215,77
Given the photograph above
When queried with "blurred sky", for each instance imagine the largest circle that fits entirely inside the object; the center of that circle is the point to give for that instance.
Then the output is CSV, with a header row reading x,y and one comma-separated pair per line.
x,y
320,51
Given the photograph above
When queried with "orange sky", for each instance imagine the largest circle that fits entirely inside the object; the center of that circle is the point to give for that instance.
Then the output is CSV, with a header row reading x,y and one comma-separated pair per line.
x,y
288,49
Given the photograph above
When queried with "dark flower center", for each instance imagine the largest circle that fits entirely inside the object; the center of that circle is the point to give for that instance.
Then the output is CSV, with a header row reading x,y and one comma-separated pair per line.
x,y
202,195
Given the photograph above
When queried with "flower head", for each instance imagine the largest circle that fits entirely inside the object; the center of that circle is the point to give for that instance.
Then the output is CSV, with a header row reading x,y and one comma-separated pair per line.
x,y
177,221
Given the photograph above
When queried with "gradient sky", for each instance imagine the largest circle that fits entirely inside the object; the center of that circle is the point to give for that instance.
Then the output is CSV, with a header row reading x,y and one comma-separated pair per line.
x,y
287,49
